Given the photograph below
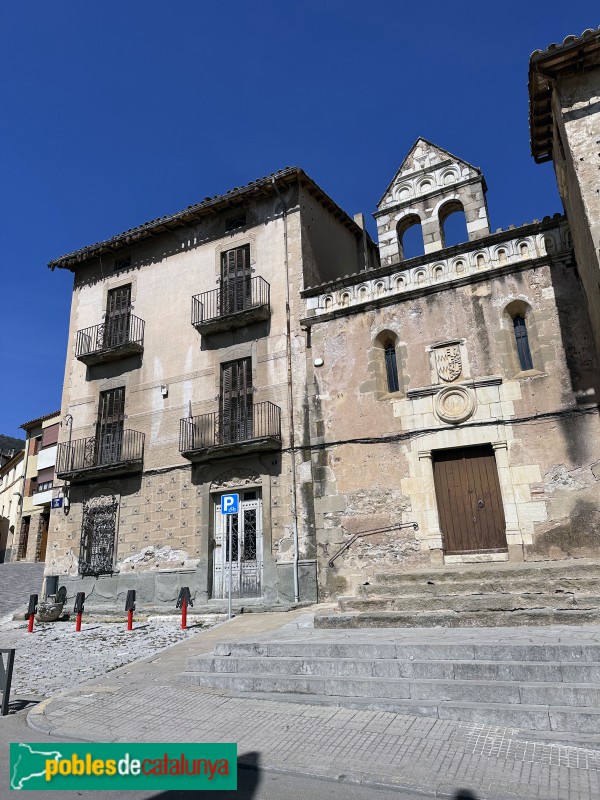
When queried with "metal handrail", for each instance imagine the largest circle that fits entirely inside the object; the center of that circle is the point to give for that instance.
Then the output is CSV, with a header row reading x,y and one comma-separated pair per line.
x,y
260,420
238,295
100,451
114,332
361,534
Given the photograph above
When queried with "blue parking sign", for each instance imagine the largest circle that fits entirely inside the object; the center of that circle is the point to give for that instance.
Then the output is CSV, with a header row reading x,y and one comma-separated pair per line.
x,y
229,503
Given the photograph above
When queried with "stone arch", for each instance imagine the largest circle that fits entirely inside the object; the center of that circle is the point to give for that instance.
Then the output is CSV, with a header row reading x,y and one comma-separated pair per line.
x,y
387,358
406,248
501,255
453,223
517,310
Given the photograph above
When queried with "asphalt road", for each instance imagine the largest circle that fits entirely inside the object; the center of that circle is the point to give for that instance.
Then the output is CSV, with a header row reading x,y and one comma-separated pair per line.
x,y
253,784
17,581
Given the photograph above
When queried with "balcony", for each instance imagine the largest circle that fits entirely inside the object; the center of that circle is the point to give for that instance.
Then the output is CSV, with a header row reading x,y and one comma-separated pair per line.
x,y
118,338
242,302
205,437
114,454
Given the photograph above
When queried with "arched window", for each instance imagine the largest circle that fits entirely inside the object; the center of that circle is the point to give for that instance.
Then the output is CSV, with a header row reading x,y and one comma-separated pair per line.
x,y
453,223
522,341
391,368
410,237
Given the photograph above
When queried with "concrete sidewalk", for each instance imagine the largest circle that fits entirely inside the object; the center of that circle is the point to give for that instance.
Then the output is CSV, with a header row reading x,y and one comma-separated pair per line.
x,y
143,702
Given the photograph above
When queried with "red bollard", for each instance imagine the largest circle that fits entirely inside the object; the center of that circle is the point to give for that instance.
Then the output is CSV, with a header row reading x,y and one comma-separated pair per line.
x,y
130,608
79,601
33,600
183,601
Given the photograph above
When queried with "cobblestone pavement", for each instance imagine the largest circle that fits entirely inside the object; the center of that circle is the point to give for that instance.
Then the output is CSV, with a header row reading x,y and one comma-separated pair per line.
x,y
17,581
54,657
142,702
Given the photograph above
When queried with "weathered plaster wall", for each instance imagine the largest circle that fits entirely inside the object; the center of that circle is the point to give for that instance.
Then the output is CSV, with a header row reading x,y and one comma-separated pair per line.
x,y
576,155
548,468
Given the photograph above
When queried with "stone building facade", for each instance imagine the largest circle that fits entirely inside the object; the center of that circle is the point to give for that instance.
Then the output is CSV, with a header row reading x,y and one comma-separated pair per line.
x,y
564,117
457,390
38,488
373,411
185,380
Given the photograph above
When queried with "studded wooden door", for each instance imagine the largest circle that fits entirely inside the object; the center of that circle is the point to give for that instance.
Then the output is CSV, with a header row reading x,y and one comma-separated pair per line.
x,y
469,500
247,557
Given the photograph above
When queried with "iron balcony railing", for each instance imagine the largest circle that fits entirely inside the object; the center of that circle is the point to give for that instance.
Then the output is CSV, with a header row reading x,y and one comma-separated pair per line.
x,y
259,421
95,452
237,295
114,333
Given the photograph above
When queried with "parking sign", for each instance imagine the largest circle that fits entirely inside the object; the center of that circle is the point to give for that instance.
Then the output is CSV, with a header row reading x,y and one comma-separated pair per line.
x,y
230,503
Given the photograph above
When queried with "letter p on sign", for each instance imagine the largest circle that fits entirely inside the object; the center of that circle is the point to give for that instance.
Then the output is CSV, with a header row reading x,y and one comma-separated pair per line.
x,y
229,503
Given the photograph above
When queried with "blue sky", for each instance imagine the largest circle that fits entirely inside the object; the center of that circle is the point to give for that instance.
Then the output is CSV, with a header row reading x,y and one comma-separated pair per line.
x,y
114,113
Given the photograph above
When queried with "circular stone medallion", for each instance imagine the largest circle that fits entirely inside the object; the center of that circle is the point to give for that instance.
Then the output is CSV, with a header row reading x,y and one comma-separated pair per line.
x,y
454,404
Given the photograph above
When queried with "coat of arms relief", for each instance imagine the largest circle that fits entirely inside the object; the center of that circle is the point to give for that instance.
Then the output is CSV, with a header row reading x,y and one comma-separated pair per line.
x,y
448,362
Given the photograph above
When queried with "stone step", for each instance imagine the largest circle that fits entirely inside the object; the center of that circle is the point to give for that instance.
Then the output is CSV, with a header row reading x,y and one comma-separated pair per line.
x,y
575,569
445,701
520,671
472,602
495,583
578,720
427,690
354,647
451,619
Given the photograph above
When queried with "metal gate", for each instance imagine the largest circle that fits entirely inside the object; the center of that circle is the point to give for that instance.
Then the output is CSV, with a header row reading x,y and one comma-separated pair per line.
x,y
247,552
98,536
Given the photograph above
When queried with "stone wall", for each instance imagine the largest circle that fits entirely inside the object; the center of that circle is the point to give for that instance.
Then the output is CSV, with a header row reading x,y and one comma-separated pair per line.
x,y
372,449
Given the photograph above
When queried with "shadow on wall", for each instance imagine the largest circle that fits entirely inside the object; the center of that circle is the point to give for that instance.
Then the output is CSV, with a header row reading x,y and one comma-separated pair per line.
x,y
248,783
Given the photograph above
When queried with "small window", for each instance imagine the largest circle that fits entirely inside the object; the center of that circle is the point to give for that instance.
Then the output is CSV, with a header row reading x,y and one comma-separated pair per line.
x,y
522,341
233,223
391,367
122,263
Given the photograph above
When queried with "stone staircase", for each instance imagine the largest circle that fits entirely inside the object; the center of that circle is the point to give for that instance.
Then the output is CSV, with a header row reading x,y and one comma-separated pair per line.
x,y
539,593
546,681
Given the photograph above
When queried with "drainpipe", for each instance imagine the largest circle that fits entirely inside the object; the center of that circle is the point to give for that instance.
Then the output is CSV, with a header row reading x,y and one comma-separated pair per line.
x,y
290,392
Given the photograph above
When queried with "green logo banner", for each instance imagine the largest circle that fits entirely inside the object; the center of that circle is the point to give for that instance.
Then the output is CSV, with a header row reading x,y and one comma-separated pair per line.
x,y
43,765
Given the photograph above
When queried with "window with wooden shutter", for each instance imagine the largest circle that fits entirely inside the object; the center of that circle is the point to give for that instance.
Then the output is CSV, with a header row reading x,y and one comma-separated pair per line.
x,y
118,316
236,274
111,419
236,401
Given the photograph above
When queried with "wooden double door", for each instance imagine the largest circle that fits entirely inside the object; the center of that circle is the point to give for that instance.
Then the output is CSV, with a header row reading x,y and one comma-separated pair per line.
x,y
469,500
